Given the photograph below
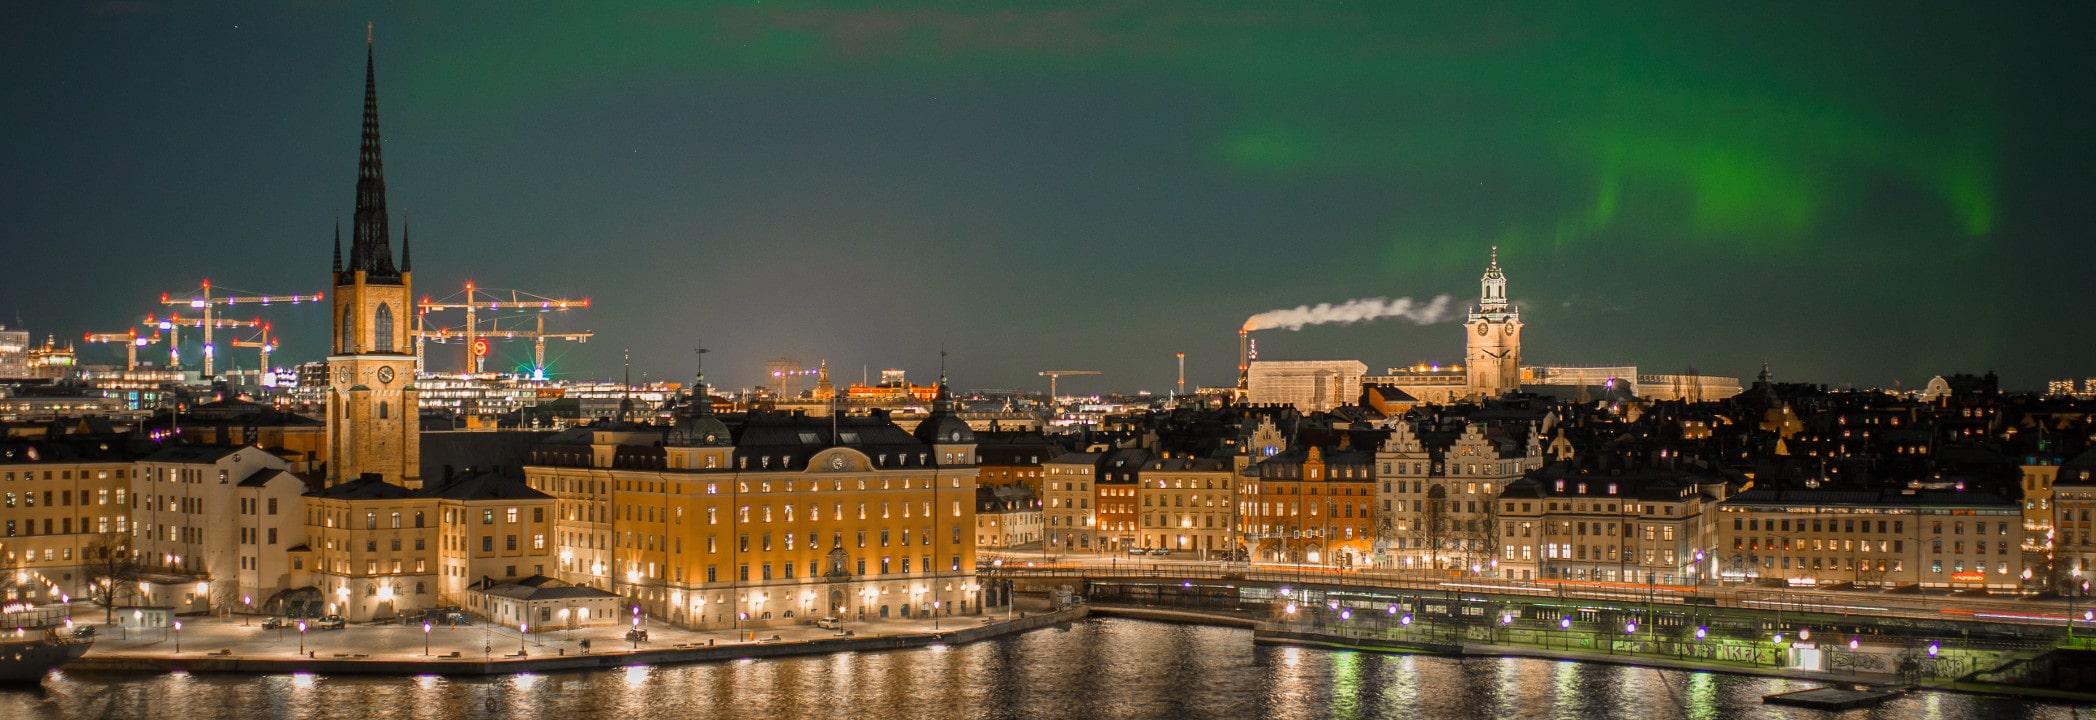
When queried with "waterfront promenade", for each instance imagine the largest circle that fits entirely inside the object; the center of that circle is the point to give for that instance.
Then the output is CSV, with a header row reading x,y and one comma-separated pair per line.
x,y
218,644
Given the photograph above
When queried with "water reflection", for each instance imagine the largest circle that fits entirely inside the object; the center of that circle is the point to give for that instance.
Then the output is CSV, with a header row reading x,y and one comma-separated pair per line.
x,y
1112,668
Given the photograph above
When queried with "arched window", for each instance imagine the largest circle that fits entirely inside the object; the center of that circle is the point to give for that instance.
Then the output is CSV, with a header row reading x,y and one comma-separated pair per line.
x,y
382,329
349,330
382,411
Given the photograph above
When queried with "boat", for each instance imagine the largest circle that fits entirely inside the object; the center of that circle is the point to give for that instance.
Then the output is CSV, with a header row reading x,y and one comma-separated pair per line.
x,y
26,659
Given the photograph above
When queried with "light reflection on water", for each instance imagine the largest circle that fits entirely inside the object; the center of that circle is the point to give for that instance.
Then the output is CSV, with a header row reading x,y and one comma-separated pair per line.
x,y
1102,669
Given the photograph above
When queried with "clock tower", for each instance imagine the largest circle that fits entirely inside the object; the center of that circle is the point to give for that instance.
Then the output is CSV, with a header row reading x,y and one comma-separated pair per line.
x,y
372,422
1493,362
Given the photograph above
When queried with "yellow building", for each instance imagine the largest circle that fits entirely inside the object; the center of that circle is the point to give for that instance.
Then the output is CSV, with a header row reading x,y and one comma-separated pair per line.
x,y
60,494
379,549
1187,504
776,519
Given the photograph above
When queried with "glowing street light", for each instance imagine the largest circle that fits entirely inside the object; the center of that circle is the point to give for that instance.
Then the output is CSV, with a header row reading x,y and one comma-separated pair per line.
x,y
521,629
425,638
301,637
1853,643
178,637
1934,647
1702,632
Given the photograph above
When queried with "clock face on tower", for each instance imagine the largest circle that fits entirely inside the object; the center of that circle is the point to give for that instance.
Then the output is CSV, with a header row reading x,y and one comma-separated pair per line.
x,y
1509,328
837,462
1483,328
342,376
385,375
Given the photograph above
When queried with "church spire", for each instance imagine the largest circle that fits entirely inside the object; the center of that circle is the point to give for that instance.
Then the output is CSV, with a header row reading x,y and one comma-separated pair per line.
x,y
371,244
406,265
338,244
1493,296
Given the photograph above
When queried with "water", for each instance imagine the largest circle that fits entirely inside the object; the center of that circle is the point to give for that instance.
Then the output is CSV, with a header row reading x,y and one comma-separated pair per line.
x,y
1095,669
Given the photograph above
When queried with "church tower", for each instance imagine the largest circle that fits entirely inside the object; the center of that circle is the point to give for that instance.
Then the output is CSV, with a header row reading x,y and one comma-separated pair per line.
x,y
1493,362
372,418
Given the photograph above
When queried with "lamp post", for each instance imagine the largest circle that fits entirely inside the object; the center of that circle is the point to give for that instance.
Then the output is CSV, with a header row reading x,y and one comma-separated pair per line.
x,y
521,629
634,635
2079,585
1564,626
178,637
301,637
425,638
249,602
935,616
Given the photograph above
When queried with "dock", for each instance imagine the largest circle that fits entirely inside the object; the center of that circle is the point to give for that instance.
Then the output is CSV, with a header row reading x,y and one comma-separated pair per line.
x,y
1834,698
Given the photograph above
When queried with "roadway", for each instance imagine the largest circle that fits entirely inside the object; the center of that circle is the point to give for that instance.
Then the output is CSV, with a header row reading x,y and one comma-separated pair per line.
x,y
1934,605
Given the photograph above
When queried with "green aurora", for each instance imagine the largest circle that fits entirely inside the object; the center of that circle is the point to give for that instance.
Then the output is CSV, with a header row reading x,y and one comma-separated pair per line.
x,y
1855,192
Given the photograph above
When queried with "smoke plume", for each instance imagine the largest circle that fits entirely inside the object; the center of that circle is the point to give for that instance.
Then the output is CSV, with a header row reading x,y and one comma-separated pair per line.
x,y
1353,311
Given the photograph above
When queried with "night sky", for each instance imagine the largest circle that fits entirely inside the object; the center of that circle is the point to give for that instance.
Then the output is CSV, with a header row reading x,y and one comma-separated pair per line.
x,y
1853,194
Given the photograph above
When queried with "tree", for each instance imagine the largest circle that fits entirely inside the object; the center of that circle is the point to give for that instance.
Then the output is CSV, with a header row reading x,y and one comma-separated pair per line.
x,y
1433,525
111,569
1483,535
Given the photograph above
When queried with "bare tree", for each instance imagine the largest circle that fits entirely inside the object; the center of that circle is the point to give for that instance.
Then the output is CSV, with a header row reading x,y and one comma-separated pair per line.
x,y
1433,529
111,569
1482,534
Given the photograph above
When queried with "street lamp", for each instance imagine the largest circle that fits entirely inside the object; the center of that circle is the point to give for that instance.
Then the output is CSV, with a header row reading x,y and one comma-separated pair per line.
x,y
521,629
1564,626
248,601
935,616
425,638
178,637
301,637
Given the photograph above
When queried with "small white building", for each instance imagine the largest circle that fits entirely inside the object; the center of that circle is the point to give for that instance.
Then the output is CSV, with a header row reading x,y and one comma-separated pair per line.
x,y
542,601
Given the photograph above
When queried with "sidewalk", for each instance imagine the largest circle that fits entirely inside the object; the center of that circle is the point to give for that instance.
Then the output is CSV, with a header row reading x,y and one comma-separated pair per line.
x,y
230,644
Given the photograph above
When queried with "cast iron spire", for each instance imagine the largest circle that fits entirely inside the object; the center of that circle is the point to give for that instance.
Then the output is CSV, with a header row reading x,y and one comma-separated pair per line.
x,y
372,249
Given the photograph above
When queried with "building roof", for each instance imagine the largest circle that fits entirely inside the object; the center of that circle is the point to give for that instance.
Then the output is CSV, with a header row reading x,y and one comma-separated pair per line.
x,y
369,486
195,454
486,486
1859,498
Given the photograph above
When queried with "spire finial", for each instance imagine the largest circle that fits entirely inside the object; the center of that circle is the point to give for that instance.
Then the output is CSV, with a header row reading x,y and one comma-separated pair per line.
x,y
367,32
338,243
1495,256
702,401
371,244
406,265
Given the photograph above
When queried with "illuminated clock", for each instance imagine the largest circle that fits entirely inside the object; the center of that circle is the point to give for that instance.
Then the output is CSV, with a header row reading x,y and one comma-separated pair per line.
x,y
1509,328
385,375
1483,328
342,376
837,462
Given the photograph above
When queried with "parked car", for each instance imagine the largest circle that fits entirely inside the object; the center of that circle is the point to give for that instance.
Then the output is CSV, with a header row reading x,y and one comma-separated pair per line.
x,y
274,622
332,622
828,623
1161,551
1135,551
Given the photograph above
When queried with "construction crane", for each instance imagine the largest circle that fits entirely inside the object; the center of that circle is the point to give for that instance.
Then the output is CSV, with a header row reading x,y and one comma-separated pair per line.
x,y
204,301
132,342
173,324
473,300
261,342
1054,375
